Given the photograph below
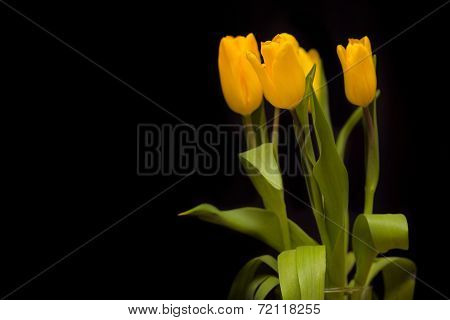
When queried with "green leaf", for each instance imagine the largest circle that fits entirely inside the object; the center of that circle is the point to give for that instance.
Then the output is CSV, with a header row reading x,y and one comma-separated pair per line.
x,y
322,92
260,124
303,116
261,162
254,285
398,275
311,264
332,179
269,284
259,223
350,261
246,276
308,158
302,273
287,272
374,234
262,168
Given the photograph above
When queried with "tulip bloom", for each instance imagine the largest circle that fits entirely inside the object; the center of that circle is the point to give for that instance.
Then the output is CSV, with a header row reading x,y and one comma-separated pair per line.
x,y
281,75
240,84
359,71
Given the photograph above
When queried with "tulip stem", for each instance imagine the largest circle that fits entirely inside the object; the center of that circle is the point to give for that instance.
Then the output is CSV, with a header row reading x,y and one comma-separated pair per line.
x,y
276,124
249,132
369,124
372,156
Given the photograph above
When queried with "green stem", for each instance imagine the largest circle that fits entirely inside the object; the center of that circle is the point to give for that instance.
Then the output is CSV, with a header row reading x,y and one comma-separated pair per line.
x,y
369,123
346,130
249,132
368,200
276,124
372,157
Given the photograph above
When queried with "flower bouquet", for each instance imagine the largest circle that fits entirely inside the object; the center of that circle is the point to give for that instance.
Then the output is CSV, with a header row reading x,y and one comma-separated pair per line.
x,y
345,260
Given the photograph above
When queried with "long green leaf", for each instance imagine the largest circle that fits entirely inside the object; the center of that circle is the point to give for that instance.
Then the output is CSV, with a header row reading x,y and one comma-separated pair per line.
x,y
254,285
311,265
262,168
287,273
246,276
259,223
259,122
398,275
350,261
374,234
302,273
332,179
322,92
308,157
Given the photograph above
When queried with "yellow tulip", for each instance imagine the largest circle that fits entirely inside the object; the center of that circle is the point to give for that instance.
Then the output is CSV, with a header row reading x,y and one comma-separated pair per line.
x,y
240,84
360,79
307,60
281,75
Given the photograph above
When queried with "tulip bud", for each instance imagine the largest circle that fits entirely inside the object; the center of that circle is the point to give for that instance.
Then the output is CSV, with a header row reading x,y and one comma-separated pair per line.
x,y
281,75
359,71
240,84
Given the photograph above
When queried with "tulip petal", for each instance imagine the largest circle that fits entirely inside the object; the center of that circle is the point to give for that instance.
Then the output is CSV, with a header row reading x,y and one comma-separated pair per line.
x,y
288,76
269,50
342,57
228,54
305,60
252,45
286,37
250,85
268,86
365,40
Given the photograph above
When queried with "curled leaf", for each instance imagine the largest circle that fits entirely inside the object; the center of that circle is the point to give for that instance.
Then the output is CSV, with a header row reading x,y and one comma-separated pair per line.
x,y
246,281
374,234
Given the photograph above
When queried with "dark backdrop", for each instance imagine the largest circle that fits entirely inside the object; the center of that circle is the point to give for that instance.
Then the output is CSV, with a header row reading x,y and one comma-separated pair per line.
x,y
69,139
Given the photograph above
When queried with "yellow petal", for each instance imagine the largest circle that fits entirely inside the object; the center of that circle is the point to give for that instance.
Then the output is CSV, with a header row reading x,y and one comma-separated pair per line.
x,y
342,54
286,37
269,50
241,43
318,78
228,74
252,45
251,87
267,84
288,76
314,55
305,60
366,42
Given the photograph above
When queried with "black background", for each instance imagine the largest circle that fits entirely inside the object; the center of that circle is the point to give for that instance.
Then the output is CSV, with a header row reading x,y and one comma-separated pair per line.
x,y
69,140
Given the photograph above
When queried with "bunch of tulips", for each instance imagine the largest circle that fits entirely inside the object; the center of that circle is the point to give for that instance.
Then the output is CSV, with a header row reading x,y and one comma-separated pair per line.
x,y
345,260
